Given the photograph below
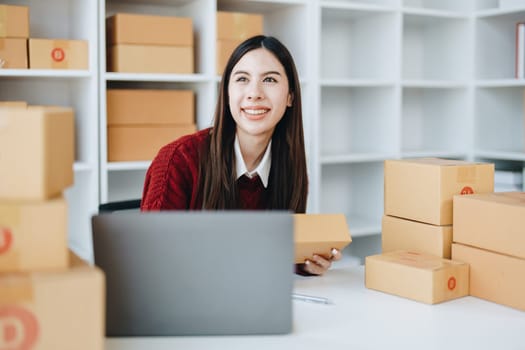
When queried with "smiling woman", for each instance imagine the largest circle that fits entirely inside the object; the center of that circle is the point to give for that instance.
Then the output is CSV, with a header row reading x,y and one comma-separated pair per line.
x,y
253,156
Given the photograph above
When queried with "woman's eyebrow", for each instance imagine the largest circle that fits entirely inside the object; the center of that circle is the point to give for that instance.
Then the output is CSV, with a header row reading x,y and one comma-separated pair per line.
x,y
265,73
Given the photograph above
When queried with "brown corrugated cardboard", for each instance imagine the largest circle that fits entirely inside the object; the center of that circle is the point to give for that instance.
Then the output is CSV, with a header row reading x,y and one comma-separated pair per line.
x,y
238,25
421,277
404,234
142,143
13,53
224,50
13,104
492,221
58,54
150,59
319,234
127,28
150,107
36,152
14,21
62,309
33,235
494,277
422,189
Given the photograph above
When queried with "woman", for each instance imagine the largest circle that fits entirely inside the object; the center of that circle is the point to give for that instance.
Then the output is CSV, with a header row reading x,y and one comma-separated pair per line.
x,y
253,157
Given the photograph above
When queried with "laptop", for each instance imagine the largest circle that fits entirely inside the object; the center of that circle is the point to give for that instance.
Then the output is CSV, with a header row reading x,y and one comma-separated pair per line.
x,y
173,273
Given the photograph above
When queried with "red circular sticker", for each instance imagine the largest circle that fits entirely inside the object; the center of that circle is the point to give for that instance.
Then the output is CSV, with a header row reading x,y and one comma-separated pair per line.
x,y
57,54
467,190
6,238
18,328
451,283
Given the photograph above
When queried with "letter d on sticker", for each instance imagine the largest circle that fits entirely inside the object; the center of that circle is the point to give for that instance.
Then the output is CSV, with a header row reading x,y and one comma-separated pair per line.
x,y
6,237
18,328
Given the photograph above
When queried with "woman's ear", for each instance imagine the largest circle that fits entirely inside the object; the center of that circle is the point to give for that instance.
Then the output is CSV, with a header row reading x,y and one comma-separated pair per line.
x,y
290,99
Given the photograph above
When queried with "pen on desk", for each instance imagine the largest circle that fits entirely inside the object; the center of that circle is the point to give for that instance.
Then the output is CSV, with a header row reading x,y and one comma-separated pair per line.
x,y
311,298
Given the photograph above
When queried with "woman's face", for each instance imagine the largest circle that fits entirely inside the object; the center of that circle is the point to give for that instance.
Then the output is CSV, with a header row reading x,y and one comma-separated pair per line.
x,y
258,92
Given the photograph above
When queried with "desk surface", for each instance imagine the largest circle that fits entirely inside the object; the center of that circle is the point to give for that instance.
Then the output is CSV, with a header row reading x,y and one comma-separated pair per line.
x,y
367,319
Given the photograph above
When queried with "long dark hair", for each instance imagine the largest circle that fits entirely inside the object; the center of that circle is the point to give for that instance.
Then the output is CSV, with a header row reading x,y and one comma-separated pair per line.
x,y
288,180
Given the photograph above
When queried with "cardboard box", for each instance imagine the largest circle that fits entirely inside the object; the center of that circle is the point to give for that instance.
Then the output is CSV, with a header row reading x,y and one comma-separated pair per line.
x,y
33,235
422,189
128,143
37,152
421,277
224,50
319,234
494,277
238,25
61,309
492,221
14,21
13,104
150,59
403,234
127,28
150,107
58,54
13,53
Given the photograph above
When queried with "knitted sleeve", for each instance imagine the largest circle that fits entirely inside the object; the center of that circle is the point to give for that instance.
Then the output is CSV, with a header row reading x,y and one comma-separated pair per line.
x,y
171,179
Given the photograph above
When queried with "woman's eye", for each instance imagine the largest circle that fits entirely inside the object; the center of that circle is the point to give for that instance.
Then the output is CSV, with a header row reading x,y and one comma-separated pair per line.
x,y
241,79
269,80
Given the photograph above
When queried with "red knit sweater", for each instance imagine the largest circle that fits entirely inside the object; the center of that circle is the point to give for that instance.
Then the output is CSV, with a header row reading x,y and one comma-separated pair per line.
x,y
171,180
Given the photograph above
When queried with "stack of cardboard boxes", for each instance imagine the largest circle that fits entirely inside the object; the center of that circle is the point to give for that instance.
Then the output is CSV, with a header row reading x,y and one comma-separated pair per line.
x,y
14,31
489,234
417,227
232,29
17,50
141,121
139,43
49,298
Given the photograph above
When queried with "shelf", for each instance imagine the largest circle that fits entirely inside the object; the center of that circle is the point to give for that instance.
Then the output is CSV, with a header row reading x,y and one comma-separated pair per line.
x,y
125,166
356,83
497,83
427,13
355,158
183,78
45,73
501,155
431,84
434,154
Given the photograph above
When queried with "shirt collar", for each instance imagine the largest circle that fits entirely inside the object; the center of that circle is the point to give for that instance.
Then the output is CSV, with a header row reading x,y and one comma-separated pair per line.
x,y
263,169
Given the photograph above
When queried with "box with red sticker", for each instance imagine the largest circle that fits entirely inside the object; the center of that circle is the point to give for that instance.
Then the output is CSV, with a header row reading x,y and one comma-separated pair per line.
x,y
33,235
492,221
58,54
494,277
421,277
422,189
62,309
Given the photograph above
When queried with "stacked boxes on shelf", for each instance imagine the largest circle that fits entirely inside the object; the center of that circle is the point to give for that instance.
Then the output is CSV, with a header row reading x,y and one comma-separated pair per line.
x,y
489,235
49,298
139,43
14,31
232,29
141,121
17,50
417,228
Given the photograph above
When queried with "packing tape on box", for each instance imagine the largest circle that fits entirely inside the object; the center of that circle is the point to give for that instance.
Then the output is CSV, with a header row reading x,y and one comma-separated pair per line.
x,y
466,174
16,288
59,54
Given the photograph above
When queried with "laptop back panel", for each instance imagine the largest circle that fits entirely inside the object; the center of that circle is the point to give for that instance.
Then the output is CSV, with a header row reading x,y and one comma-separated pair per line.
x,y
196,273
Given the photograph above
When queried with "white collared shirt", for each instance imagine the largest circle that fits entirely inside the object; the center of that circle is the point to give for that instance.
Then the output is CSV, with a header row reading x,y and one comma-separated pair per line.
x,y
263,168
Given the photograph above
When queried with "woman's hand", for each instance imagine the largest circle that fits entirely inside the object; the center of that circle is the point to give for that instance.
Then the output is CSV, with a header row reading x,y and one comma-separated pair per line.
x,y
318,264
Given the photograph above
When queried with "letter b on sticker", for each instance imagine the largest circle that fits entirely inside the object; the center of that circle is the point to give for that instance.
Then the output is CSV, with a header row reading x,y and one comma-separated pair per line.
x,y
18,328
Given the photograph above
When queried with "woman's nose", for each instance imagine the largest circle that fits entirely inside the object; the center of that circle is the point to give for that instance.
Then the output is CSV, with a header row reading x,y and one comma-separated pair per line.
x,y
255,92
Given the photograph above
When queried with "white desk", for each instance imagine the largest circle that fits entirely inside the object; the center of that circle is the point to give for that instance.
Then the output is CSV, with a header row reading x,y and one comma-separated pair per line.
x,y
365,319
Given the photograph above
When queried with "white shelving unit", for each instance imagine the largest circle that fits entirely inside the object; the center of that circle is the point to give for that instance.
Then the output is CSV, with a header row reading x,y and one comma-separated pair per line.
x,y
66,19
381,79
